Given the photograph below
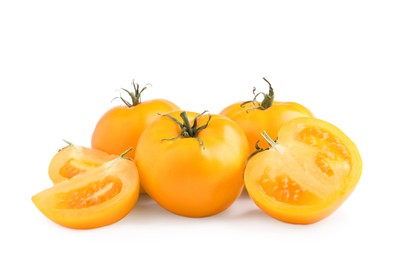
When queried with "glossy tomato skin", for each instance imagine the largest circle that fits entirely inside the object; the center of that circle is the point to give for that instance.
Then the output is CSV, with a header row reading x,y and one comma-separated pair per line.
x,y
99,197
75,159
187,178
254,121
307,175
120,127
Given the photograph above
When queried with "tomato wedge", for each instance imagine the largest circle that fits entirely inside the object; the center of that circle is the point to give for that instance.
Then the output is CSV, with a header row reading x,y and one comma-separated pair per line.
x,y
101,196
74,159
307,175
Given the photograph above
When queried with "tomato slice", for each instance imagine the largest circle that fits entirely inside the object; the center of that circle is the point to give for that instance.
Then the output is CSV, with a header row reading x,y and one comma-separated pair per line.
x,y
75,159
101,196
307,175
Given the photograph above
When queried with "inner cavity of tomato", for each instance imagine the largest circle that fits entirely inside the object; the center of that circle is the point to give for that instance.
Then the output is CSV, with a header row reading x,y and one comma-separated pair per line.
x,y
329,145
93,194
284,189
73,167
331,156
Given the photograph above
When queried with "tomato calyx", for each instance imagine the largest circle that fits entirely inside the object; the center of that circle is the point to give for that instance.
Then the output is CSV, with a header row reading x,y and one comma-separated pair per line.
x,y
187,130
265,103
135,95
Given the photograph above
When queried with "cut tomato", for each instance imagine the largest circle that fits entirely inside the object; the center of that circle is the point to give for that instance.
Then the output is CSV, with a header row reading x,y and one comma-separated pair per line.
x,y
75,159
307,175
101,196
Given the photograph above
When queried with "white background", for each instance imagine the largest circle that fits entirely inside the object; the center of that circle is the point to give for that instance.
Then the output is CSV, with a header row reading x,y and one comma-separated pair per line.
x,y
61,63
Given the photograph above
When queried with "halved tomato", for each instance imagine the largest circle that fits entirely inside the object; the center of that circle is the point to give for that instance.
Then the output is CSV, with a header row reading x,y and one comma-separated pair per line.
x,y
307,175
74,159
101,196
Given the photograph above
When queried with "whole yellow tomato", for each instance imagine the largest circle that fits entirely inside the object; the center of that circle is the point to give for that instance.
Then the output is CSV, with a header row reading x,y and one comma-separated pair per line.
x,y
192,164
268,115
120,127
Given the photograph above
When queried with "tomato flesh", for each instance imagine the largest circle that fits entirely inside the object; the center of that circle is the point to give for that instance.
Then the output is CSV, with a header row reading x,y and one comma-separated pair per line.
x,y
92,194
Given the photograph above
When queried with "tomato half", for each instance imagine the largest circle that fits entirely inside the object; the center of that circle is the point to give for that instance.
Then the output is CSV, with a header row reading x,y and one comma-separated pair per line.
x,y
307,175
120,127
268,115
99,197
74,159
192,164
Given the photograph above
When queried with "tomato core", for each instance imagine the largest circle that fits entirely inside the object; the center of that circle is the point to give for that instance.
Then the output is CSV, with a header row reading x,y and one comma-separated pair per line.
x,y
333,156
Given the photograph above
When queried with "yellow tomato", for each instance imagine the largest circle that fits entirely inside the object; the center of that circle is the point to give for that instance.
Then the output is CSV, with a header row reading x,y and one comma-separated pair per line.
x,y
192,166
307,174
121,126
99,197
268,115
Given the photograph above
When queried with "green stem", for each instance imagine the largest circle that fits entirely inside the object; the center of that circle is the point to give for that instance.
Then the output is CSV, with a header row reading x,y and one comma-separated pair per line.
x,y
267,101
124,153
135,95
187,130
259,149
268,139
68,145
67,142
